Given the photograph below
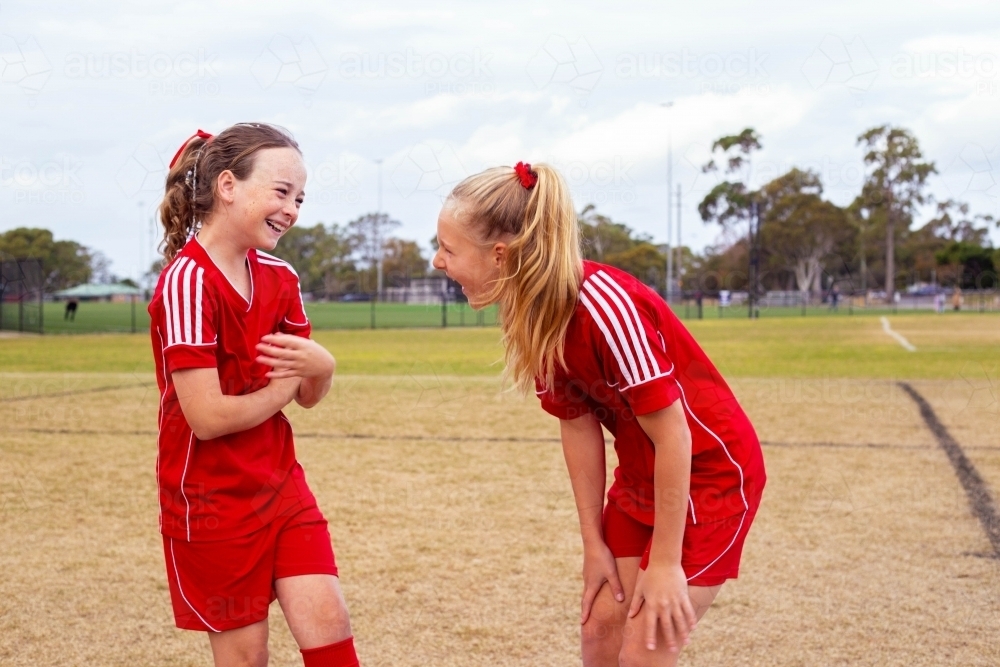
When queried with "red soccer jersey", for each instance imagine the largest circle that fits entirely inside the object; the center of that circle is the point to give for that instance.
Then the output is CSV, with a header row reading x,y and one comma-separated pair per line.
x,y
235,484
627,354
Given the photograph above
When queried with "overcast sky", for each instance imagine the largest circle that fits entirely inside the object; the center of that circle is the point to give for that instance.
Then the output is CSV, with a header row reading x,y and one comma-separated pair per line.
x,y
95,97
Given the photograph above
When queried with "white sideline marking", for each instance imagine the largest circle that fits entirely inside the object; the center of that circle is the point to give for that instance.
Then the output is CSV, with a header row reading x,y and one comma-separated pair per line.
x,y
898,336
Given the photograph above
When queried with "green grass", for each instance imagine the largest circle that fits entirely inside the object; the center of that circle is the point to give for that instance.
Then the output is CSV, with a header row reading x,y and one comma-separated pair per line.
x,y
949,346
103,317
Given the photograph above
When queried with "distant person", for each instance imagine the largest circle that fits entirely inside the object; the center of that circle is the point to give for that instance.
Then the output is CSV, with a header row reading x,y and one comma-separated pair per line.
x,y
70,312
601,348
939,302
956,299
231,344
835,298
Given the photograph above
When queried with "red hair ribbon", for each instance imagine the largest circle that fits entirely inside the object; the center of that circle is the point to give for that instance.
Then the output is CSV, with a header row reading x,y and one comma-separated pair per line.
x,y
527,177
200,133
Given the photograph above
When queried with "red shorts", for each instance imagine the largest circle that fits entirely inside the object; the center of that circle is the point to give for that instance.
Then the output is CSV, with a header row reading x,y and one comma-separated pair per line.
x,y
710,554
227,584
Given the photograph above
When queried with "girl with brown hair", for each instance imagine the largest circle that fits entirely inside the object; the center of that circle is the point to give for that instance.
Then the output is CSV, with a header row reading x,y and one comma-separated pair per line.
x,y
231,342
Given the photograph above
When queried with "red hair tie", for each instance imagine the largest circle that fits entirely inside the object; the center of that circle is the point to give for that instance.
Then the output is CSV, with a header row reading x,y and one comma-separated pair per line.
x,y
527,177
200,133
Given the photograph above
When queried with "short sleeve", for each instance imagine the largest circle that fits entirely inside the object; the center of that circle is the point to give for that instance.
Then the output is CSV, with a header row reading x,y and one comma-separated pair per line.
x,y
563,399
189,318
295,321
631,348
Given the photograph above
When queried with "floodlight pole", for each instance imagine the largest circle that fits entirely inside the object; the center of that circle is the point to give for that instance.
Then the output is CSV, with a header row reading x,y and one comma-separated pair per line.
x,y
377,229
668,292
680,246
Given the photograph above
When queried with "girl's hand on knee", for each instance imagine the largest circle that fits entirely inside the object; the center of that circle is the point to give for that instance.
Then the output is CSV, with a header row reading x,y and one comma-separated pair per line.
x,y
598,568
294,356
663,590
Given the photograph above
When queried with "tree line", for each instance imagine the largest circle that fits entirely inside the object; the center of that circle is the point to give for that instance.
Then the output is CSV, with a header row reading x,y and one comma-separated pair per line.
x,y
801,240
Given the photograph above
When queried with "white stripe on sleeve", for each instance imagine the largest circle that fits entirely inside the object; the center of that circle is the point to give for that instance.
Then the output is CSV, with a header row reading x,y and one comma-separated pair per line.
x,y
197,306
168,304
615,320
186,286
175,321
612,343
638,320
631,325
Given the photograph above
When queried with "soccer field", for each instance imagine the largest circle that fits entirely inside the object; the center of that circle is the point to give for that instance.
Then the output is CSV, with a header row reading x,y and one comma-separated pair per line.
x,y
453,518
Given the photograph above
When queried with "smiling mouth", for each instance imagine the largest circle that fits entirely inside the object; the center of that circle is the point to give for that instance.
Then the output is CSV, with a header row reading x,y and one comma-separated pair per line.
x,y
275,226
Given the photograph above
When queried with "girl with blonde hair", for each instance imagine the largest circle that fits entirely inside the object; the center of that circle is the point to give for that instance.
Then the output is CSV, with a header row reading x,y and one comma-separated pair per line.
x,y
601,348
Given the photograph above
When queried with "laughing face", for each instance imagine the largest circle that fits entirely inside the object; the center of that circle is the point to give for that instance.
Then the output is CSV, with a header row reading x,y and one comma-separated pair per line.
x,y
266,204
473,264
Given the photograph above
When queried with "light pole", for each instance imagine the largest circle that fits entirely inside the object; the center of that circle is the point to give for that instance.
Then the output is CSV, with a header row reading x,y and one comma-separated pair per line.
x,y
670,182
378,228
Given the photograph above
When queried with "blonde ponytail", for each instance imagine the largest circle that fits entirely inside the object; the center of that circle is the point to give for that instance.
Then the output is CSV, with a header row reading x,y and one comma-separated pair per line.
x,y
541,271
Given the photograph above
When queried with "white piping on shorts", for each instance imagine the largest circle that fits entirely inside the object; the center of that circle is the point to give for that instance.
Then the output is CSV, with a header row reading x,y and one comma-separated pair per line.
x,y
746,505
177,576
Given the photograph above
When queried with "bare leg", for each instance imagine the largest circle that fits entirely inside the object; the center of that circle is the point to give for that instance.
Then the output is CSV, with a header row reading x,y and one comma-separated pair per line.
x,y
634,652
314,607
242,647
601,635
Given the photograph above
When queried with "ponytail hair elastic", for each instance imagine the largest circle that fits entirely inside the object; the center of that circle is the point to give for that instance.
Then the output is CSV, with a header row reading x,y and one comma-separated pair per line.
x,y
199,134
527,177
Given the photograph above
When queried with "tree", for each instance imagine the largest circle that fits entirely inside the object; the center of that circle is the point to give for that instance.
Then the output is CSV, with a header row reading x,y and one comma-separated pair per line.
x,y
922,248
64,263
368,235
800,228
601,237
401,261
894,186
321,255
729,202
616,244
732,202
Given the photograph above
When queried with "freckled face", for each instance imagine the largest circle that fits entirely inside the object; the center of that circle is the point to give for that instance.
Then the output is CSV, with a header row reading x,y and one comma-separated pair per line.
x,y
267,202
472,264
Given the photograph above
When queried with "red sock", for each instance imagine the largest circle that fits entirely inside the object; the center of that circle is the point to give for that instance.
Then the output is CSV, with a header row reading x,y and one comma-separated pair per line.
x,y
340,654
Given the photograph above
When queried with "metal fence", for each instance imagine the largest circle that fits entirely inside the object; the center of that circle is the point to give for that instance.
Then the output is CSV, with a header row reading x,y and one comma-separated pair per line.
x,y
792,304
21,295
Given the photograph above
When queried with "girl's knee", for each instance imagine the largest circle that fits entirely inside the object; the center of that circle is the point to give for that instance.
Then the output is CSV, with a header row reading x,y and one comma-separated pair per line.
x,y
634,654
598,638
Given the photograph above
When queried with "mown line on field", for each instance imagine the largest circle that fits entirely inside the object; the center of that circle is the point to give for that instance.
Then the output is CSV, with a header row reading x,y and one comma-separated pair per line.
x,y
976,489
75,392
316,435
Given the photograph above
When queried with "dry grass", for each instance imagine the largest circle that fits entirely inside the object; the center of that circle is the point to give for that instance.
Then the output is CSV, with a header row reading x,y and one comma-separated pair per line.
x,y
456,549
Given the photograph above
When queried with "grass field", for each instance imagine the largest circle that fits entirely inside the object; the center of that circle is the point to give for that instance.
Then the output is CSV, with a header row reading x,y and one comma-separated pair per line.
x,y
453,518
104,317
101,317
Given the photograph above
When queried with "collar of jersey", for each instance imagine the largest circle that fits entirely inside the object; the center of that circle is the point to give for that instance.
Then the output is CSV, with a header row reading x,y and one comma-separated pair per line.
x,y
250,267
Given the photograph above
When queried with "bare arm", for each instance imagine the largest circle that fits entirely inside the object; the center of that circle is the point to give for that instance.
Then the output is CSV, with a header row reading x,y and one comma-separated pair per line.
x,y
583,449
296,357
671,437
663,586
212,414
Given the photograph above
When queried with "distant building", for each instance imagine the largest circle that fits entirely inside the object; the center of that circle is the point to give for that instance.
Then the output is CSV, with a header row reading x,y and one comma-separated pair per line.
x,y
117,292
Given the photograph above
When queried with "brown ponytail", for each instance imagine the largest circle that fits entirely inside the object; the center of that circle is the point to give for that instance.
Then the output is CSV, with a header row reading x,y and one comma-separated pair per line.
x,y
542,269
190,187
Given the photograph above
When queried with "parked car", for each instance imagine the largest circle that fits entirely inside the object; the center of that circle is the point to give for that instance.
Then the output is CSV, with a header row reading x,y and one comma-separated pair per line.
x,y
356,296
